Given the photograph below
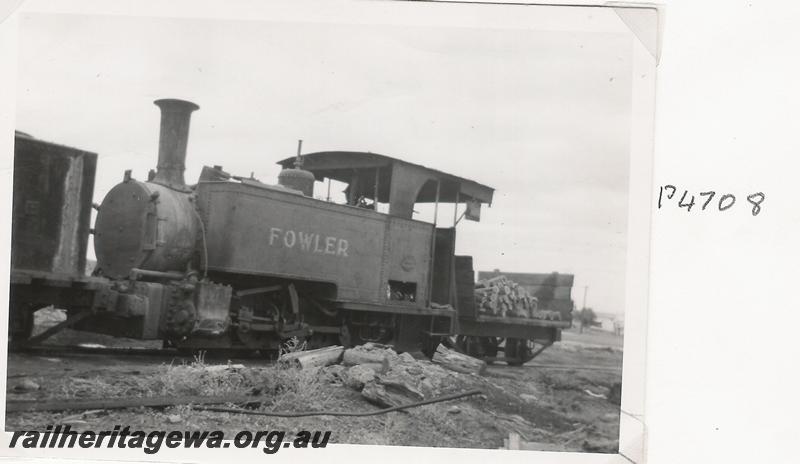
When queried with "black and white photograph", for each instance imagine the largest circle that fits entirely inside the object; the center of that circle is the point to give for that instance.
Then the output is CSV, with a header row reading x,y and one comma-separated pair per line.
x,y
389,223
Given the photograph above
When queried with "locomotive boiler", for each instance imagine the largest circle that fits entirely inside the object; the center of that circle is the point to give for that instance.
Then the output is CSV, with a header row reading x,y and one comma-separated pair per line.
x,y
234,262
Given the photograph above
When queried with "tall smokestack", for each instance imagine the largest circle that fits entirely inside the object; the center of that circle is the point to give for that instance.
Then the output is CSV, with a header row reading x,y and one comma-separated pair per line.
x,y
175,118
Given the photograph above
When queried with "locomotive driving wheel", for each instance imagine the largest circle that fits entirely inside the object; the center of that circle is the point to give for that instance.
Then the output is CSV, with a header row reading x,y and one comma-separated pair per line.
x,y
518,351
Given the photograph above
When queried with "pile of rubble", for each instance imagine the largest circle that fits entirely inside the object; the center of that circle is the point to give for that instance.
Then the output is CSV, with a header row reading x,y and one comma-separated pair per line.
x,y
387,378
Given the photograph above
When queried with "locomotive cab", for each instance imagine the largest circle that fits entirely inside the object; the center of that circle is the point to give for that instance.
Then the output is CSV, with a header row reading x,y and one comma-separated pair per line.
x,y
418,296
374,179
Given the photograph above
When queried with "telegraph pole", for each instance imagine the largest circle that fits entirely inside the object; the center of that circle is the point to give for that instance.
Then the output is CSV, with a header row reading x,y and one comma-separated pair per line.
x,y
585,291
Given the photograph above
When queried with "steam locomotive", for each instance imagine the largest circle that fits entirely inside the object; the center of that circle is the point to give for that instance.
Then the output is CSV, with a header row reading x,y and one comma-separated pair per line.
x,y
234,263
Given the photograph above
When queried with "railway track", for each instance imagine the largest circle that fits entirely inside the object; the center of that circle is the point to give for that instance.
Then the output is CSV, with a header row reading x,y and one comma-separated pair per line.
x,y
572,367
159,353
172,353
567,367
60,350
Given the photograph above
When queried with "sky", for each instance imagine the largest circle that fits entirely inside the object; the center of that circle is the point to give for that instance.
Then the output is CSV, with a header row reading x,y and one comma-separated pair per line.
x,y
541,116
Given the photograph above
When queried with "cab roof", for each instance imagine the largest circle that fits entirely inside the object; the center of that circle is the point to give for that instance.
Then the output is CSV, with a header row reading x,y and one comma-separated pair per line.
x,y
342,165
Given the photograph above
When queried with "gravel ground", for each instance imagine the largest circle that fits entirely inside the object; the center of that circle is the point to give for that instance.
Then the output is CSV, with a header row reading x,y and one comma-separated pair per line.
x,y
556,409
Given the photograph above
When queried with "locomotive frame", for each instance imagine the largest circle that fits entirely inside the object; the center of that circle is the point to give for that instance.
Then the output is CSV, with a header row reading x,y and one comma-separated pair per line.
x,y
234,263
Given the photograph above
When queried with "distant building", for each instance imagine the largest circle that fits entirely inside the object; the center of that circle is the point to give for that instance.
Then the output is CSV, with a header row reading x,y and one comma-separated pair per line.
x,y
611,322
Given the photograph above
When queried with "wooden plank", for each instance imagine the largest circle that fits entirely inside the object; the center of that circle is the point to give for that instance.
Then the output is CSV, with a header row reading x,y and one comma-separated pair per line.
x,y
313,358
458,362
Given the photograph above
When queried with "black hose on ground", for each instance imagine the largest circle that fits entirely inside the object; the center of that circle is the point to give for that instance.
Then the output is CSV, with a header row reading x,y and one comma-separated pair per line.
x,y
342,413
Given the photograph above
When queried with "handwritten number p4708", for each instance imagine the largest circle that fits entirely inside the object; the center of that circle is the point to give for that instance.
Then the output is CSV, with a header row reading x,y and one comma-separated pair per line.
x,y
725,201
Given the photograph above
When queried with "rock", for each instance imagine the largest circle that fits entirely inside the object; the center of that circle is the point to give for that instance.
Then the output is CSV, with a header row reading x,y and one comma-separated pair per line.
x,y
335,373
528,398
454,410
406,358
357,376
369,353
429,385
407,383
405,380
46,318
26,385
174,419
389,394
378,368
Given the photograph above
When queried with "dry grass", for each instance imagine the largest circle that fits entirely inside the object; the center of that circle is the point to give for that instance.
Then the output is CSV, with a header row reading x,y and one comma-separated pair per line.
x,y
287,388
292,345
292,388
558,381
168,380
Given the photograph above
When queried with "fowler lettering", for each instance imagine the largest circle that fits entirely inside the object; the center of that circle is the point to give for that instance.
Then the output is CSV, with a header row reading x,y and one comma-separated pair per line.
x,y
307,241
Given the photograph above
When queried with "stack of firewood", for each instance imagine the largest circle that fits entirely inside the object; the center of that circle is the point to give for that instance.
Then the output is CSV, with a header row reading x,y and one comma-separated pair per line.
x,y
502,297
